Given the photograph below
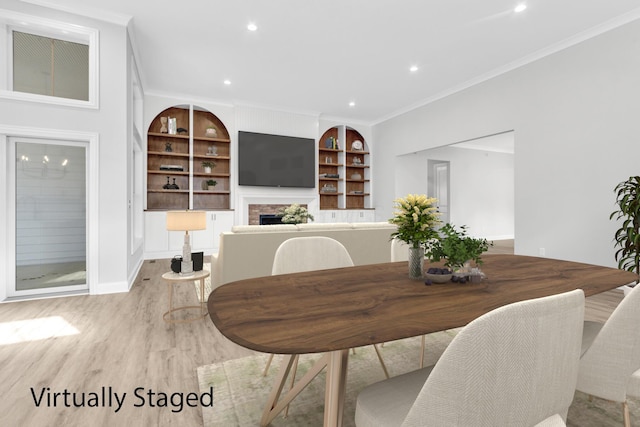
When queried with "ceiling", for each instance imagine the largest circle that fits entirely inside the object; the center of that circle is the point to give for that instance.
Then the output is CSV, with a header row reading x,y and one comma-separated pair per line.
x,y
318,56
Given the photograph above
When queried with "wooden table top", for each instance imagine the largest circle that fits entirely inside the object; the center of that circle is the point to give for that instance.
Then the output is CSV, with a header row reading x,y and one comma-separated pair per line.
x,y
336,309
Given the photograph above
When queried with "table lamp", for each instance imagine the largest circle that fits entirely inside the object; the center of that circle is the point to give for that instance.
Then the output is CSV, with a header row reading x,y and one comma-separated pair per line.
x,y
186,221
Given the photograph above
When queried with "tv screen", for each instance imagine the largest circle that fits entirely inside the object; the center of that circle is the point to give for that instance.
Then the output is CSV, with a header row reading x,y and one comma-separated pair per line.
x,y
275,160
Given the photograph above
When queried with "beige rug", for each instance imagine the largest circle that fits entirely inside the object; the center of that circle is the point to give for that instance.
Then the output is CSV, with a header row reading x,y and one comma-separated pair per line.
x,y
240,390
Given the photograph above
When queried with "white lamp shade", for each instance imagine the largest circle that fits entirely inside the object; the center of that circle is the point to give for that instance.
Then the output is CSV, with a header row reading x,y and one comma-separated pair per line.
x,y
186,220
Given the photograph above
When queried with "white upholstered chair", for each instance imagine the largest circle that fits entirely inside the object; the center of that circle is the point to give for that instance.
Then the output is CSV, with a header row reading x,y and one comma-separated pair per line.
x,y
400,252
611,355
300,254
514,366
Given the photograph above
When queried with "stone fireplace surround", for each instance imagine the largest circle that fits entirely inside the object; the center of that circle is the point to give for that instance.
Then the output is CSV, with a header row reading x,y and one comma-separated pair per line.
x,y
253,206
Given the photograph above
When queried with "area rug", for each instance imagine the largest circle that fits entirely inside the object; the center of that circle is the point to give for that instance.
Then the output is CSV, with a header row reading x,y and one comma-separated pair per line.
x,y
240,390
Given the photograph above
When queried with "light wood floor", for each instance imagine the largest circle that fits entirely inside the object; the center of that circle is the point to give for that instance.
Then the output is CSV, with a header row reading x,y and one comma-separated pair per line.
x,y
84,343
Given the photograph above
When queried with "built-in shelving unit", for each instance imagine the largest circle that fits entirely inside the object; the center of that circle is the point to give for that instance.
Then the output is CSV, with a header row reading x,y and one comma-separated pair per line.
x,y
175,174
343,170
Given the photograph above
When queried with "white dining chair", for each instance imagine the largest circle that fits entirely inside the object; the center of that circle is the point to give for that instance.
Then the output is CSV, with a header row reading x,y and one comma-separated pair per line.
x,y
311,253
610,363
514,366
400,252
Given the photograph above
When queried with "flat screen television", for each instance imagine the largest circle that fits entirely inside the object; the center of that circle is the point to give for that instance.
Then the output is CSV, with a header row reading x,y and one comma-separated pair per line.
x,y
276,160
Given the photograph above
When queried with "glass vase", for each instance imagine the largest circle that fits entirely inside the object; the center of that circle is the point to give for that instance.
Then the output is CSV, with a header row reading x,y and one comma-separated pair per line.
x,y
416,262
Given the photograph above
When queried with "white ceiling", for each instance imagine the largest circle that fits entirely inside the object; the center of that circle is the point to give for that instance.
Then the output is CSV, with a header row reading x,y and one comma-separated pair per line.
x,y
317,56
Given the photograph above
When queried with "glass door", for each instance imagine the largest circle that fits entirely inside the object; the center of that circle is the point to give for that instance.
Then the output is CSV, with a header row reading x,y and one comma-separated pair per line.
x,y
50,217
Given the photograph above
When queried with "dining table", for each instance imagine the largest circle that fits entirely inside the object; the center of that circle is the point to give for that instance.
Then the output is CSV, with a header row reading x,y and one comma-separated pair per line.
x,y
332,311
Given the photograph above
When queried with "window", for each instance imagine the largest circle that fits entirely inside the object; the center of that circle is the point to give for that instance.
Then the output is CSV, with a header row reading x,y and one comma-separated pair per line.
x,y
48,66
48,61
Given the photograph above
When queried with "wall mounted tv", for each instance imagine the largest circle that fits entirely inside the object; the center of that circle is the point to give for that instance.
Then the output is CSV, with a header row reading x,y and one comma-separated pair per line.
x,y
276,160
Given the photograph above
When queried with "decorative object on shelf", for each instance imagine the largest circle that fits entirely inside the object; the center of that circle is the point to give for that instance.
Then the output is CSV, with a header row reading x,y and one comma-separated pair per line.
x,y
163,125
173,186
186,221
294,214
457,249
329,188
173,126
627,237
356,176
356,192
212,150
416,217
176,168
206,184
328,143
167,147
357,145
329,175
182,131
208,166
328,160
357,161
211,132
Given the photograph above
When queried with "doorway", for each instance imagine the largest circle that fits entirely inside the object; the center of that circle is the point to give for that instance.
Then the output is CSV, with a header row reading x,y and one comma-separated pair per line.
x,y
438,185
50,223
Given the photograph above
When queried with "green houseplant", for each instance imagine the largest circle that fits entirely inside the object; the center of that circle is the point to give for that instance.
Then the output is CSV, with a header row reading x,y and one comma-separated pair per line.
x,y
456,248
208,166
627,237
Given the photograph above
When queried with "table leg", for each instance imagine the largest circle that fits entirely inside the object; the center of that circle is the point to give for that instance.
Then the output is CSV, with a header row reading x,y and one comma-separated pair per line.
x,y
275,405
335,388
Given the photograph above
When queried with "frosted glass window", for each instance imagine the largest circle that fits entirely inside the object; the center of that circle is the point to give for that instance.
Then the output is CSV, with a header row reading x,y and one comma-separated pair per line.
x,y
52,67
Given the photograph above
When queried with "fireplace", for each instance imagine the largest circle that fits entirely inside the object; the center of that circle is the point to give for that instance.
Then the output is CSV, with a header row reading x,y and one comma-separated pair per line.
x,y
263,213
269,219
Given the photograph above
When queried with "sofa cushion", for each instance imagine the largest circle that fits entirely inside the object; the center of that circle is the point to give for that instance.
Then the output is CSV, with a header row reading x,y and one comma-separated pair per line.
x,y
271,228
323,226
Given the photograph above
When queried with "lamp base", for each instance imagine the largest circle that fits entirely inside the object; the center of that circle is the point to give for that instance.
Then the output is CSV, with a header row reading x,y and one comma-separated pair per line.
x,y
186,268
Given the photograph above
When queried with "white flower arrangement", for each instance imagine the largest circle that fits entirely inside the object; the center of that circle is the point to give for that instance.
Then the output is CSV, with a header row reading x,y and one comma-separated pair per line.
x,y
295,214
416,217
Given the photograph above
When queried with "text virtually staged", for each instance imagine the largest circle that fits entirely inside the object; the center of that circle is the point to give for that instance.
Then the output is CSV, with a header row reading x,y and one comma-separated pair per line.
x,y
107,397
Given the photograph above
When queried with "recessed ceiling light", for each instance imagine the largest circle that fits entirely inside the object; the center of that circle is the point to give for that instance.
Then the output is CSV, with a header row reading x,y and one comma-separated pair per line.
x,y
413,68
227,82
352,104
520,8
252,26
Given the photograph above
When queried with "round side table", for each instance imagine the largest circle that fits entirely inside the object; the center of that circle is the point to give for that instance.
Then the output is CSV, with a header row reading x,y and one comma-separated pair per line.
x,y
172,278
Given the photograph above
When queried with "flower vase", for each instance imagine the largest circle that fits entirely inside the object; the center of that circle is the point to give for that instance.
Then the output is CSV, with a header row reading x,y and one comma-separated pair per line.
x,y
416,262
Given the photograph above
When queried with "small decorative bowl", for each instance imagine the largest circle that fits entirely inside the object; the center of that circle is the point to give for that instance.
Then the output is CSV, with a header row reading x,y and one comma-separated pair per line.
x,y
438,278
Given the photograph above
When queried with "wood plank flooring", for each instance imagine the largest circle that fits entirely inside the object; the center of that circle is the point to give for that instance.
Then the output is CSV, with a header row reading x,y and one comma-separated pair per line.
x,y
85,343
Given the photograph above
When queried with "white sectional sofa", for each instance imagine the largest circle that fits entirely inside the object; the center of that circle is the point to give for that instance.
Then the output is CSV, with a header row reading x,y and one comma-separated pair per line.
x,y
248,250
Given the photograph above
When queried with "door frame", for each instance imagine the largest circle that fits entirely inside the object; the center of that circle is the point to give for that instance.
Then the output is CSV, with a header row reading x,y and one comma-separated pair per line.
x,y
8,205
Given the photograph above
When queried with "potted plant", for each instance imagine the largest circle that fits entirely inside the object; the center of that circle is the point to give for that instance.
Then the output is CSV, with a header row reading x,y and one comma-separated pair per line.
x,y
416,217
211,183
627,237
294,214
208,166
456,248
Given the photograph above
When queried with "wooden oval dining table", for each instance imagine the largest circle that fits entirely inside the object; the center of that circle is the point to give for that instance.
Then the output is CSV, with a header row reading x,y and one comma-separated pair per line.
x,y
332,311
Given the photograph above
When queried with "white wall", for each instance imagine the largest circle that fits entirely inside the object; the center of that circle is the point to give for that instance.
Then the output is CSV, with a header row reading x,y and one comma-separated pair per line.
x,y
481,189
575,116
110,123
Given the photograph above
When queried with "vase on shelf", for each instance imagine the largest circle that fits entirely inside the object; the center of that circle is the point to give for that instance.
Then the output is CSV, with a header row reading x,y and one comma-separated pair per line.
x,y
416,262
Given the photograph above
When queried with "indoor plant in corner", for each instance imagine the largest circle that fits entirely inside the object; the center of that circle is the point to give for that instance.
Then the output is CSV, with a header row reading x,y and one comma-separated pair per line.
x,y
627,237
457,249
416,217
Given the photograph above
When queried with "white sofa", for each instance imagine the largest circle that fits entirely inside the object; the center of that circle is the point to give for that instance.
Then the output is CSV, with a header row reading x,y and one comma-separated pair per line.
x,y
248,250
